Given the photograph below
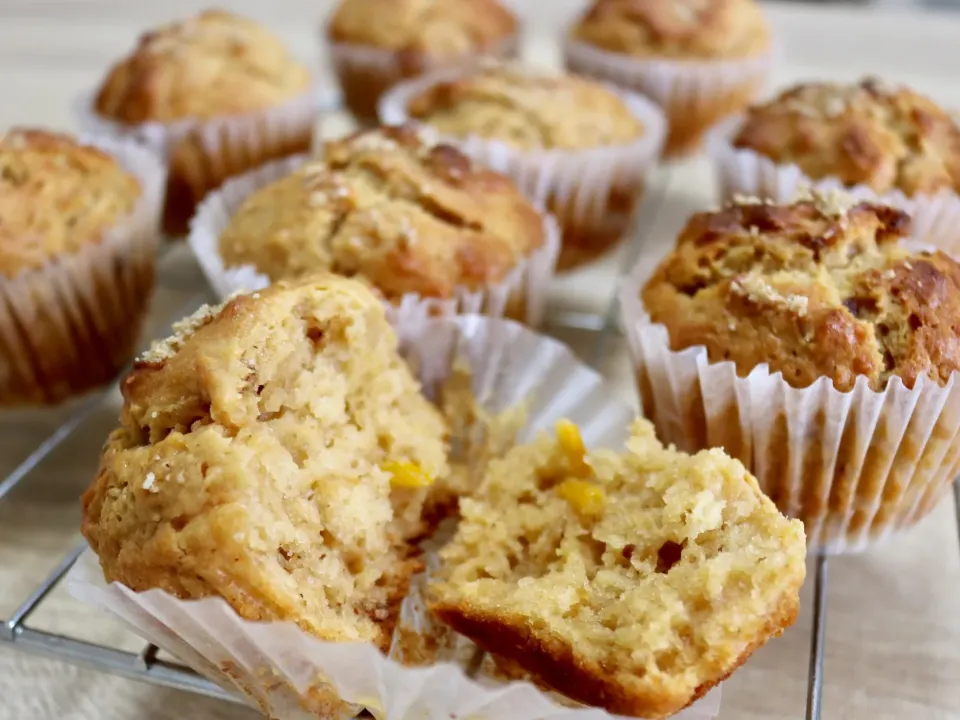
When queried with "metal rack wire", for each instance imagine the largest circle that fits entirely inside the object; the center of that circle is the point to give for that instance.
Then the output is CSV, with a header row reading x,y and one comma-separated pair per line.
x,y
146,666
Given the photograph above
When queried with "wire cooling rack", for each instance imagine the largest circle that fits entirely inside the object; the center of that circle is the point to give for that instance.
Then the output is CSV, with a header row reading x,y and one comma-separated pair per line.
x,y
146,666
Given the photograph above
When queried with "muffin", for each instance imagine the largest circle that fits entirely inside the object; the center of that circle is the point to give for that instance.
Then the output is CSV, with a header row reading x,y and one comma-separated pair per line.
x,y
572,144
700,61
877,141
418,221
215,95
531,379
631,581
78,232
373,44
276,452
808,342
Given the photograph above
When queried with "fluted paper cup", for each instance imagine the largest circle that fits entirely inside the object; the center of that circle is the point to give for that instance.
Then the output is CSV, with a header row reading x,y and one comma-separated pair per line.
x,y
365,73
694,94
854,466
290,674
202,154
73,323
521,295
592,192
741,171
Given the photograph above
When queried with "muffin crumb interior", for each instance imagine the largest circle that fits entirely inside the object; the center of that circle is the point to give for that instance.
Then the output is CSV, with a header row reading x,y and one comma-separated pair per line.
x,y
279,453
626,580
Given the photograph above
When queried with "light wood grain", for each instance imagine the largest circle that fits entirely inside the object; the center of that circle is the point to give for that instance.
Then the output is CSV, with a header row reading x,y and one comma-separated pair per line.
x,y
893,647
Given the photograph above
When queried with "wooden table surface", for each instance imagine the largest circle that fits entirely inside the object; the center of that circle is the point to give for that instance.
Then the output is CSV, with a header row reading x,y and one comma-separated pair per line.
x,y
893,648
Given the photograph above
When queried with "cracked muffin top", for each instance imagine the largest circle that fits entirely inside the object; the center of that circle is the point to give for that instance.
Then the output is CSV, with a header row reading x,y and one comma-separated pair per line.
x,y
675,29
863,133
56,196
818,288
215,63
275,451
407,215
438,28
527,108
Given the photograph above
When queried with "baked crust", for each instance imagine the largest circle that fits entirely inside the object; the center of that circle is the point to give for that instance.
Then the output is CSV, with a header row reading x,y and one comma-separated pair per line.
x,y
252,460
638,607
407,215
417,28
675,29
56,196
527,108
887,138
213,64
818,288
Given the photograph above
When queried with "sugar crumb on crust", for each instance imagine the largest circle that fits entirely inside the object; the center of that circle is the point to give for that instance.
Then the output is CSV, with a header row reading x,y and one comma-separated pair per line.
x,y
821,287
181,331
214,63
56,197
681,29
527,107
865,133
418,30
639,603
390,206
256,459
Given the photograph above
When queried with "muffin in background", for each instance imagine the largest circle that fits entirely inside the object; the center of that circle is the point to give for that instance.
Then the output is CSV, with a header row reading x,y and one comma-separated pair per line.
x,y
275,451
373,44
876,141
427,228
78,233
810,343
701,61
574,145
215,95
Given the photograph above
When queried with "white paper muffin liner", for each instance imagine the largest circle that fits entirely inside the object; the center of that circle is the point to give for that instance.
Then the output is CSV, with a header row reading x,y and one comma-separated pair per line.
x,y
523,292
855,466
221,146
936,218
290,674
694,94
72,323
365,72
580,187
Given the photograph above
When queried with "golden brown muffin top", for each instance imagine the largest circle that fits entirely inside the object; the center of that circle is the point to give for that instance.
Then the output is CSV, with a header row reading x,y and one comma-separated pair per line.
x,y
439,28
56,196
527,108
864,133
256,460
389,206
675,29
215,63
819,288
